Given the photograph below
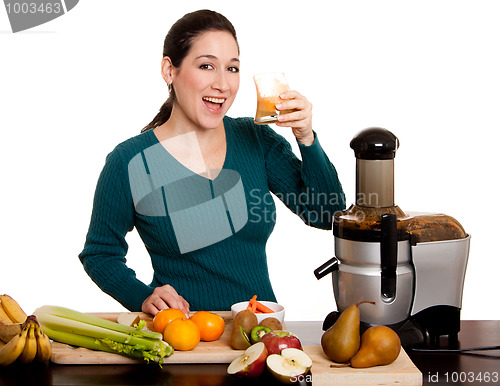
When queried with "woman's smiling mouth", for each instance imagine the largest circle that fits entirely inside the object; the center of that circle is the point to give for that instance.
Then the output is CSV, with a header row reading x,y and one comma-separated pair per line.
x,y
214,104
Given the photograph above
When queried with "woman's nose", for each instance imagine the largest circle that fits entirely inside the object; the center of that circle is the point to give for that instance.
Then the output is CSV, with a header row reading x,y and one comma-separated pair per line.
x,y
220,82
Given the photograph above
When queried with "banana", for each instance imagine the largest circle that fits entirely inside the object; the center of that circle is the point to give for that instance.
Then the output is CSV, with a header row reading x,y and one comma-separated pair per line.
x,y
8,331
13,309
11,351
30,347
4,318
44,347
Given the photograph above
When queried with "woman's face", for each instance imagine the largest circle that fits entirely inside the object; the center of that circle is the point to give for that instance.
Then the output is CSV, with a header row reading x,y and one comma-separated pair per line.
x,y
207,81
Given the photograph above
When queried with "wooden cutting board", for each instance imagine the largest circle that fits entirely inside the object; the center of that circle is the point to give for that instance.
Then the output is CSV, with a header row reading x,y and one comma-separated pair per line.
x,y
218,351
401,371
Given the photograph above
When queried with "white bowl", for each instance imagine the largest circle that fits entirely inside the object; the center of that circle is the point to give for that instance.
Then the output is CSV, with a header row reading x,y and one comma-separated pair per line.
x,y
278,314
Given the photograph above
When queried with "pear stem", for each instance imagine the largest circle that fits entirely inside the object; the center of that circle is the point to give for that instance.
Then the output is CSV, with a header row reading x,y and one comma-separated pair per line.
x,y
366,301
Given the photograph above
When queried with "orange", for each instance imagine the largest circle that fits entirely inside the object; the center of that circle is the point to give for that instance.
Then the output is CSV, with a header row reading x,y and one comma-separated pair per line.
x,y
211,325
164,317
182,334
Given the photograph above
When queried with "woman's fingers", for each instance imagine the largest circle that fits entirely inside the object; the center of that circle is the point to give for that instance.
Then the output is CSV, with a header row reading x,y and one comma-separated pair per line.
x,y
179,303
149,308
292,116
301,110
292,100
162,298
299,118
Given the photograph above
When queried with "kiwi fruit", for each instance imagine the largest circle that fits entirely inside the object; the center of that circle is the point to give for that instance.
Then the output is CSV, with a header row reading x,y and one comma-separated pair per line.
x,y
245,319
243,323
258,332
239,339
272,323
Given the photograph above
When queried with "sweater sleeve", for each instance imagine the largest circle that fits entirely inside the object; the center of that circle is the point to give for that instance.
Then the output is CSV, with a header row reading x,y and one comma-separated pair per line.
x,y
309,187
103,256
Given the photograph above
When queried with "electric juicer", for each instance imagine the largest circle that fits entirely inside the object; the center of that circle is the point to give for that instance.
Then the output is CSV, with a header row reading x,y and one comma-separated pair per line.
x,y
411,265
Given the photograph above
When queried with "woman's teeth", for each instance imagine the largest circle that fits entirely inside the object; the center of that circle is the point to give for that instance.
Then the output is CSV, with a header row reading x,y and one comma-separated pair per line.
x,y
214,100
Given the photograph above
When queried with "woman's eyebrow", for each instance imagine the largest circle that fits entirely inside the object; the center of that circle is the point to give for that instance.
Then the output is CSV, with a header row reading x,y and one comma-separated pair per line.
x,y
208,56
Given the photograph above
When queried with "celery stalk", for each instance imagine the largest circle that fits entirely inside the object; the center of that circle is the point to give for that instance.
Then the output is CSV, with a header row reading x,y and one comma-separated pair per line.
x,y
76,340
108,346
76,327
96,321
79,329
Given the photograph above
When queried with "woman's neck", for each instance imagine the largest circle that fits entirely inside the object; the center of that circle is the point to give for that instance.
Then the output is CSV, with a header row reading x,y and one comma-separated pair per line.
x,y
201,150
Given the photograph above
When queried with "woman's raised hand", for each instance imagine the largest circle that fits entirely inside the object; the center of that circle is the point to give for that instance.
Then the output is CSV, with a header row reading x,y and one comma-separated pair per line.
x,y
299,120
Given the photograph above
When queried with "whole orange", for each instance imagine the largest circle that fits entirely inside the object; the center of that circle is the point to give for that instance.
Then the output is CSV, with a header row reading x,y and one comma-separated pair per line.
x,y
164,317
211,325
182,334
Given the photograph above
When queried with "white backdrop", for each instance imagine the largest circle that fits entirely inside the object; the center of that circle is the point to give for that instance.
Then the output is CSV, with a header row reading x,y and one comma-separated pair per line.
x,y
71,89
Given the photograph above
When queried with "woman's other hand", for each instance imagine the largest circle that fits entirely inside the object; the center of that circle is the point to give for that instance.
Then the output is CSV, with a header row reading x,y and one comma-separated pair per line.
x,y
299,120
162,298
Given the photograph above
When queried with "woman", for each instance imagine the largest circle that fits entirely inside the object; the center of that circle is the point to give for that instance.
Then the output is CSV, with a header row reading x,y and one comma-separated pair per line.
x,y
196,184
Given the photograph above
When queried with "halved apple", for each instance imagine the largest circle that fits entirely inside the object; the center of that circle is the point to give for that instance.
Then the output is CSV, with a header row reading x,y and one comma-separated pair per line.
x,y
251,364
290,365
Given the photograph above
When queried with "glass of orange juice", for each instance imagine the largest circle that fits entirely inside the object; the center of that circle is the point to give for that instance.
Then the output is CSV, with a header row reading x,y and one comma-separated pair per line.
x,y
269,87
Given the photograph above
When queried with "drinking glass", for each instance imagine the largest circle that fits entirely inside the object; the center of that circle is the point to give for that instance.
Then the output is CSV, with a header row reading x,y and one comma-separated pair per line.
x,y
269,87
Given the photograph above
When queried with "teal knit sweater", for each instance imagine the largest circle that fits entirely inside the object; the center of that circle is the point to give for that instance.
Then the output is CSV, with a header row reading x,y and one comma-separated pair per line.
x,y
206,238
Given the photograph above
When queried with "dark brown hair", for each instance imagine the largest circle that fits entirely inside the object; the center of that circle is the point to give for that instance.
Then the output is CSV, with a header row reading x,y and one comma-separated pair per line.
x,y
177,44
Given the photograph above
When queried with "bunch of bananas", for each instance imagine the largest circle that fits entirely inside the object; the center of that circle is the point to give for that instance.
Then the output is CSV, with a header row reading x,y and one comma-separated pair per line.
x,y
21,337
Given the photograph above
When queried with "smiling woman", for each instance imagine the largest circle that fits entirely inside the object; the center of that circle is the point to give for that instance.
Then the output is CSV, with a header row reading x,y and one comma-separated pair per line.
x,y
205,85
177,46
186,181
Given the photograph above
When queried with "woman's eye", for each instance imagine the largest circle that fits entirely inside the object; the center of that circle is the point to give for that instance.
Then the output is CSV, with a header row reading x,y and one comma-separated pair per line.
x,y
234,69
206,67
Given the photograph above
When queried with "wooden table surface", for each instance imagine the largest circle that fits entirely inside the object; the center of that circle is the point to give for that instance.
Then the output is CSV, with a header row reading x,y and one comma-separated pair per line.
x,y
481,368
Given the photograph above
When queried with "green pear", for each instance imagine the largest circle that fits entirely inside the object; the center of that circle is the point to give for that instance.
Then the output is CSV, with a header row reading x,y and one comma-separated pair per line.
x,y
342,340
380,345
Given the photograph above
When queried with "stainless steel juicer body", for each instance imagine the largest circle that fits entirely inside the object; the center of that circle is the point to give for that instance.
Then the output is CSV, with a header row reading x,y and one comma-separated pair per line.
x,y
410,266
358,278
428,274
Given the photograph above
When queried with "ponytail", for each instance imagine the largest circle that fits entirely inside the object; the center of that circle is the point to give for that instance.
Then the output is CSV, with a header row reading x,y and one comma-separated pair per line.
x,y
164,113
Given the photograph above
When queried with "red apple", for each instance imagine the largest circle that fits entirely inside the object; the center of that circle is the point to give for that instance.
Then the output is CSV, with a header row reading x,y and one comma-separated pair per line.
x,y
290,366
278,340
251,364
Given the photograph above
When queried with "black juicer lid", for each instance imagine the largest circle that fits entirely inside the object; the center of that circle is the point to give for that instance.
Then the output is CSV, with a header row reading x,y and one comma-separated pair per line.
x,y
375,143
